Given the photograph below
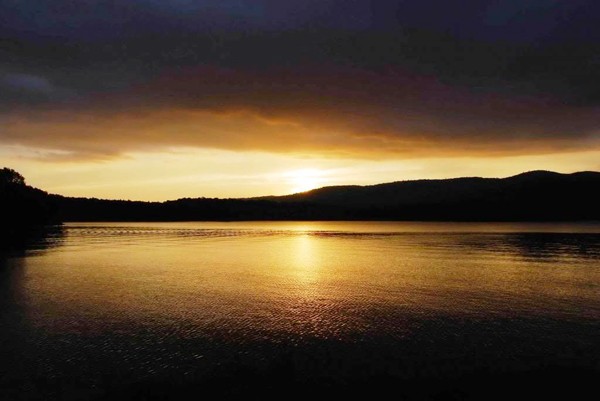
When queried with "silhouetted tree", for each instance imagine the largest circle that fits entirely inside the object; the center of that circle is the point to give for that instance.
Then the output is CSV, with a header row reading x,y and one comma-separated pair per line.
x,y
21,206
9,176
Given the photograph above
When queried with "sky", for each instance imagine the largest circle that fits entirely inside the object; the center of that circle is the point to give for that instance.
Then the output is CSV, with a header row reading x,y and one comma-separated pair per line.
x,y
156,100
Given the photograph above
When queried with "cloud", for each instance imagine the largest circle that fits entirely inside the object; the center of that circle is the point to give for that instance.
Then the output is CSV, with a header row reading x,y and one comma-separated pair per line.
x,y
327,111
30,89
29,83
359,78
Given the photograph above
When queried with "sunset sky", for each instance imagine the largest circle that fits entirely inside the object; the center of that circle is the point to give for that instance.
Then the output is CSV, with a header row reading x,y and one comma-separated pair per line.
x,y
155,100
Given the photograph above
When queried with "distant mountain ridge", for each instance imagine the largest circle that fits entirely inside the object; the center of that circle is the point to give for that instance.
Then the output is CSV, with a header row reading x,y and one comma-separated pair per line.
x,y
535,195
530,196
443,190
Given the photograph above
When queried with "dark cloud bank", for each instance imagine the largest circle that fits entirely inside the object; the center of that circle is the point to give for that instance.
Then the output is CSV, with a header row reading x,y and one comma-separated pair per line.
x,y
397,77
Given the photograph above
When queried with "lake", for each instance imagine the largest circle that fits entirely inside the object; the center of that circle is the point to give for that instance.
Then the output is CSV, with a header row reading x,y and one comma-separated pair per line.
x,y
251,309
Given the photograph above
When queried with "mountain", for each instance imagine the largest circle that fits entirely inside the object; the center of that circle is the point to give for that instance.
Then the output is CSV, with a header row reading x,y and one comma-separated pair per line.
x,y
535,195
531,196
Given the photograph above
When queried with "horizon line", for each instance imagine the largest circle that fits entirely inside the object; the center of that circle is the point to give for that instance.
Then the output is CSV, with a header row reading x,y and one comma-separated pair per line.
x,y
262,197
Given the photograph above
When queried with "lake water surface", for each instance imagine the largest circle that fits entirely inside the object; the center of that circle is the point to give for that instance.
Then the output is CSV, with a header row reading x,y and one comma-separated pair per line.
x,y
115,309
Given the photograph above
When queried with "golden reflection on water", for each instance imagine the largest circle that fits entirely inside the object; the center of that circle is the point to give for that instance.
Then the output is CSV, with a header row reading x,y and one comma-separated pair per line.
x,y
326,280
304,258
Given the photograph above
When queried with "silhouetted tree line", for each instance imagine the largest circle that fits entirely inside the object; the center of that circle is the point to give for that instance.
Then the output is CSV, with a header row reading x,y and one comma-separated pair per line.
x,y
82,209
533,196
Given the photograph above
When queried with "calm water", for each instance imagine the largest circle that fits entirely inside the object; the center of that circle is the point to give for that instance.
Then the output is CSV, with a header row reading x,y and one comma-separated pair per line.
x,y
98,309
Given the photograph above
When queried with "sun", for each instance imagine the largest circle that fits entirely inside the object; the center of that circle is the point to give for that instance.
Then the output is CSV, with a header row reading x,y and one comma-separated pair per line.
x,y
305,179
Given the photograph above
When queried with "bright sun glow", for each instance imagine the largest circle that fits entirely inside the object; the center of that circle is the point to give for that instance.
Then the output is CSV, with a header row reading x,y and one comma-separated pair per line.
x,y
305,179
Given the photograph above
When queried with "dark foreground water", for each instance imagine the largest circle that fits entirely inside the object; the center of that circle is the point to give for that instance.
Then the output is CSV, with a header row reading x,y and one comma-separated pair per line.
x,y
290,310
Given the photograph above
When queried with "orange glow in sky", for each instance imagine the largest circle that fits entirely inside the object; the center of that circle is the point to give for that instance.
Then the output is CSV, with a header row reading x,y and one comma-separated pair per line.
x,y
190,172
